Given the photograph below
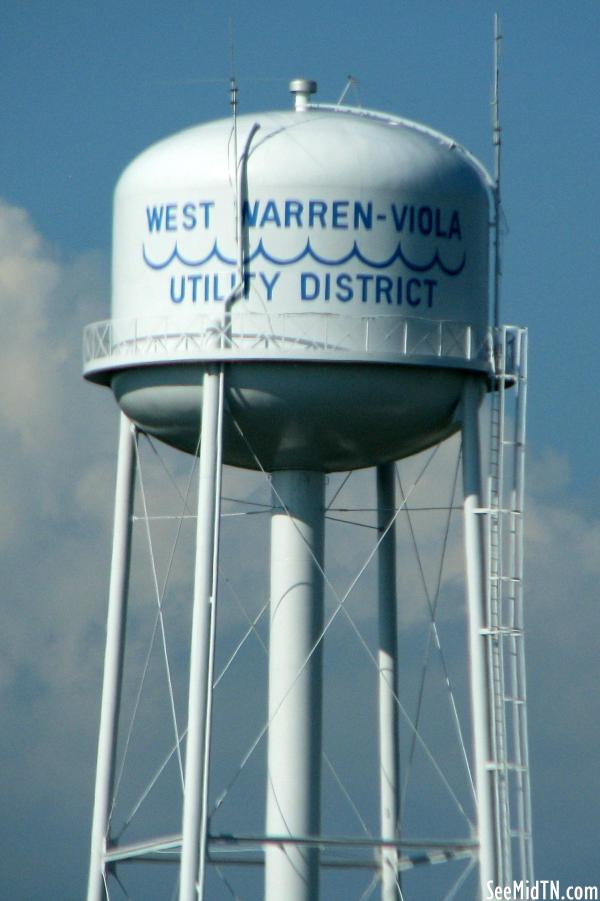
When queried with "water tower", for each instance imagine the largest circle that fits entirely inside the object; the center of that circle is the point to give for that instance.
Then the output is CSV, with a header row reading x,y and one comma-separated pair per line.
x,y
303,293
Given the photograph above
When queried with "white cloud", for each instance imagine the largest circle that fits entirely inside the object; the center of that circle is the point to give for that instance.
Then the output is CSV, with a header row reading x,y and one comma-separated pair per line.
x,y
53,559
29,278
44,303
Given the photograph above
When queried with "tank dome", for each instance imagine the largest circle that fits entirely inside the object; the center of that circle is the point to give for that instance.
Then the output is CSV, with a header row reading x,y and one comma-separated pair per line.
x,y
338,266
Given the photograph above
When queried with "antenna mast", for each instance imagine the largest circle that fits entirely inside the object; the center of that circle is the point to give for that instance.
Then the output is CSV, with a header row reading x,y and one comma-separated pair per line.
x,y
233,100
240,164
497,141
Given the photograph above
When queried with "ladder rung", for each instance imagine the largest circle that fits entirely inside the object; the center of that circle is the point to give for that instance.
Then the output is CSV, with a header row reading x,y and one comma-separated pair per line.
x,y
513,579
499,765
501,630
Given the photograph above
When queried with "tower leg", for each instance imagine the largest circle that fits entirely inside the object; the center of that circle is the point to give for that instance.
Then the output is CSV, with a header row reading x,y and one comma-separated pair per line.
x,y
194,829
295,685
476,585
388,680
113,658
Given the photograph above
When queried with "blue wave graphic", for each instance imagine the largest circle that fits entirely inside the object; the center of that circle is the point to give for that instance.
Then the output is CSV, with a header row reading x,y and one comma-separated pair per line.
x,y
354,253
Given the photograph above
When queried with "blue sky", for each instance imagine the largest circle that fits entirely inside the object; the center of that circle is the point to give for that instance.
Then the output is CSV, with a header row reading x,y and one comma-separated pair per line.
x,y
84,88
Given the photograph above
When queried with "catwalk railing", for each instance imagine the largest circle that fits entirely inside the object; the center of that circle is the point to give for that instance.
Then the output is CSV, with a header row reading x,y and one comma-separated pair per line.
x,y
116,343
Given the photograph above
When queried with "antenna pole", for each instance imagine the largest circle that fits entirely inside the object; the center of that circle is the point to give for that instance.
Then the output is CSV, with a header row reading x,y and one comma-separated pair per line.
x,y
497,140
233,100
239,289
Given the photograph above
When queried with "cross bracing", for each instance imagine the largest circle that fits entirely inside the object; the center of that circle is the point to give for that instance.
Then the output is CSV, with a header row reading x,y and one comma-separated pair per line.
x,y
346,605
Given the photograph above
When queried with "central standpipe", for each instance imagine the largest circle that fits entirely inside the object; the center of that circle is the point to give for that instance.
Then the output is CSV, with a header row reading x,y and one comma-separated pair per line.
x,y
387,663
295,685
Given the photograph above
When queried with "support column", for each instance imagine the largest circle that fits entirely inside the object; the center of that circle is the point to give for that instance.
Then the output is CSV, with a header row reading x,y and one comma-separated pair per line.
x,y
295,685
195,800
476,586
387,658
113,657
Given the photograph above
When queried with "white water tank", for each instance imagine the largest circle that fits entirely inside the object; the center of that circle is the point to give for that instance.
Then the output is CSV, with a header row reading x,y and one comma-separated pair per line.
x,y
362,242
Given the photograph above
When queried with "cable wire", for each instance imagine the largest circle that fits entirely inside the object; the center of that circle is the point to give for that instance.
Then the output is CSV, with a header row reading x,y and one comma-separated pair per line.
x,y
340,607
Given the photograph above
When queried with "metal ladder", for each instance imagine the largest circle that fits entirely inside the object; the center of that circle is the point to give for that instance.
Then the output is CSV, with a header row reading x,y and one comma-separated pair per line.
x,y
505,629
